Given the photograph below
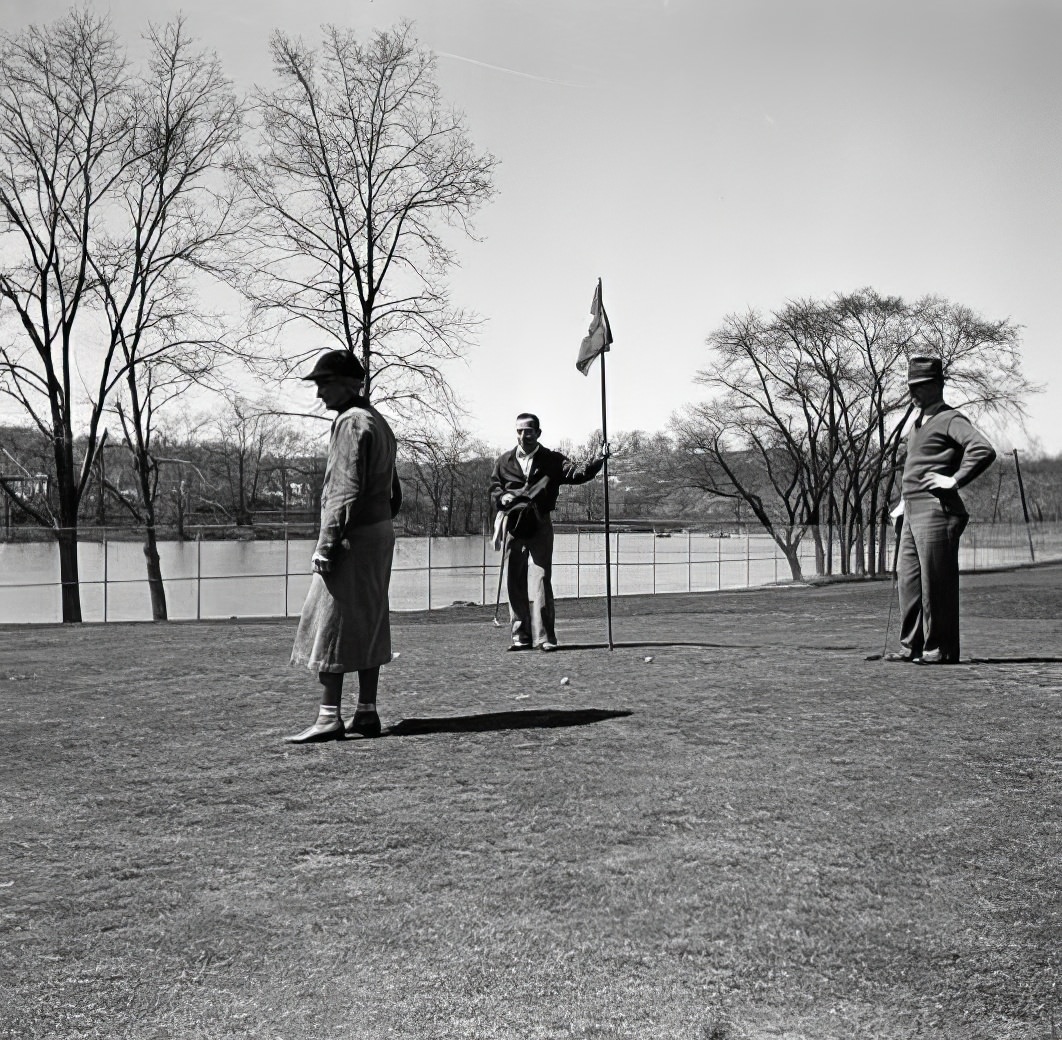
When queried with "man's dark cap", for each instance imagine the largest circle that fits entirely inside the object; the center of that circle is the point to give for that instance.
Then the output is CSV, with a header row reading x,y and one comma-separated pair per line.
x,y
333,364
925,370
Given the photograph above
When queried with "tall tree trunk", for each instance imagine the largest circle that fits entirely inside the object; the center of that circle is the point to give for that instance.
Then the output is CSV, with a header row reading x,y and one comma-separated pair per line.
x,y
843,540
147,477
179,497
66,486
101,498
860,548
820,550
872,531
154,574
68,572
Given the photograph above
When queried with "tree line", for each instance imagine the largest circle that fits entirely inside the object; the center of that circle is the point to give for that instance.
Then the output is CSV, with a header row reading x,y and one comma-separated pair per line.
x,y
246,473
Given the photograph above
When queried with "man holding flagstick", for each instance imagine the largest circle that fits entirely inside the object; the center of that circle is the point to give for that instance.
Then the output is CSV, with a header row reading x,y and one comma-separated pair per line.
x,y
523,489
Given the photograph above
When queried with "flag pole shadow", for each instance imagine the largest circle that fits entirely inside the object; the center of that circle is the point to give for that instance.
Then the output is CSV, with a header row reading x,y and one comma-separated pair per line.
x,y
649,644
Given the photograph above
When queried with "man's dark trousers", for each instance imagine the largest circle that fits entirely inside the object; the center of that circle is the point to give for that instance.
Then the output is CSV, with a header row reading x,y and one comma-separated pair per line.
x,y
928,574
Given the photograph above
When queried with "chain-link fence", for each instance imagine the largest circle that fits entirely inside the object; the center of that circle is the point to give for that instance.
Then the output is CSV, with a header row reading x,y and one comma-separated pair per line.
x,y
216,577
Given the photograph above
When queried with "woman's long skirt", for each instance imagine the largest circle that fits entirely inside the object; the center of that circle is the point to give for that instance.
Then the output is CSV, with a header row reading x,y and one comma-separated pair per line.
x,y
345,624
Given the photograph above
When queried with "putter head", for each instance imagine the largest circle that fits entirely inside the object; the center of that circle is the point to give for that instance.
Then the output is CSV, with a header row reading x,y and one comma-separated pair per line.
x,y
497,623
874,657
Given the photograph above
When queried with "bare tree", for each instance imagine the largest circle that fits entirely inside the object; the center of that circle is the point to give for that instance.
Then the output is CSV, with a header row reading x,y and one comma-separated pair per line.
x,y
175,222
810,402
745,459
65,141
586,502
861,348
238,443
451,469
359,172
763,439
105,208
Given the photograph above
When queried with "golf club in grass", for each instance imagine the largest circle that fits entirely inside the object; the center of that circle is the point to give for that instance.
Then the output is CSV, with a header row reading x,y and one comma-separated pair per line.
x,y
501,568
892,593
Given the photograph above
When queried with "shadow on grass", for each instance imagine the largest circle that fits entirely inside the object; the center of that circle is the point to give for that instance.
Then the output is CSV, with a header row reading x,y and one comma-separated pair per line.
x,y
544,718
990,660
1013,660
661,643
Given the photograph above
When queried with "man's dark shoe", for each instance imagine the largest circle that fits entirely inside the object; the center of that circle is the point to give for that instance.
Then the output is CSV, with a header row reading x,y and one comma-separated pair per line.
x,y
934,657
327,727
513,647
903,655
363,724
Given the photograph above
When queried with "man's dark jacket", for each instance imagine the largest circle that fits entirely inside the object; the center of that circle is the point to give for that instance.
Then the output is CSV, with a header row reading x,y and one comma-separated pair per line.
x,y
558,468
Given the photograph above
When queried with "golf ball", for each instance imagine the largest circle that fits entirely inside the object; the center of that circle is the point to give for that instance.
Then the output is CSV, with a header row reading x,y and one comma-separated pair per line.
x,y
648,659
565,681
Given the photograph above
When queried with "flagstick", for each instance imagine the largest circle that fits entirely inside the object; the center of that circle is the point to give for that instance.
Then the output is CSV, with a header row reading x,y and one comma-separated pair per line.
x,y
1024,507
608,549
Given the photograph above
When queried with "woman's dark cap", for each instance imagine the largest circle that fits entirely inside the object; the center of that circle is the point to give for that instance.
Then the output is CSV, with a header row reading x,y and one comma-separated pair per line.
x,y
335,364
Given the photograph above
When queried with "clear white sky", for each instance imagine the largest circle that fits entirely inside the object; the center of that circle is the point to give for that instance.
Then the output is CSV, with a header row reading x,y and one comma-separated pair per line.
x,y
705,156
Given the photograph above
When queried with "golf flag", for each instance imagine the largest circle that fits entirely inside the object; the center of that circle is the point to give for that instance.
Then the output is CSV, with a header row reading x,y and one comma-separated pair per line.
x,y
599,336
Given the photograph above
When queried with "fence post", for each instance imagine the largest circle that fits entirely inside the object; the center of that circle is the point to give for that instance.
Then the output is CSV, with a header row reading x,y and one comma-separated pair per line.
x,y
429,572
654,563
105,575
689,560
199,576
719,562
748,561
286,568
617,563
774,546
578,561
484,565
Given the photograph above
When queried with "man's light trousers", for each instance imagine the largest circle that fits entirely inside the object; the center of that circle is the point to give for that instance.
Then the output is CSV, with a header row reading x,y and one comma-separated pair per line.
x,y
530,587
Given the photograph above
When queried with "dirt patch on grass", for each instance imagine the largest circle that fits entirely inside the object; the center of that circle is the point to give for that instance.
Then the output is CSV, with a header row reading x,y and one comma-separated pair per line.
x,y
757,833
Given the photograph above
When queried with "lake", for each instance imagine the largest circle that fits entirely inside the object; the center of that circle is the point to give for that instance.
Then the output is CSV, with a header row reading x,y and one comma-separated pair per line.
x,y
222,579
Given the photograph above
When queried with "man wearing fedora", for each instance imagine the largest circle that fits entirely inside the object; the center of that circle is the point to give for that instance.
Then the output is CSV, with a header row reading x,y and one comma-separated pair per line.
x,y
345,623
529,478
945,452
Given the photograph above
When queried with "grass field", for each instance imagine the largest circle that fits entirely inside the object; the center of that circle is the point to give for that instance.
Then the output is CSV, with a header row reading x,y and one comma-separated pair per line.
x,y
757,833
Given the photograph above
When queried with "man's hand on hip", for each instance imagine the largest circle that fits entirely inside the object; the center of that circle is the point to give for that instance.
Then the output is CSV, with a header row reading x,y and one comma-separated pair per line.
x,y
940,482
321,564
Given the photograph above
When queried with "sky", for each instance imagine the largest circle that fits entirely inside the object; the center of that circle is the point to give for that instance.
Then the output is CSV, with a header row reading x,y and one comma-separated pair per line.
x,y
704,157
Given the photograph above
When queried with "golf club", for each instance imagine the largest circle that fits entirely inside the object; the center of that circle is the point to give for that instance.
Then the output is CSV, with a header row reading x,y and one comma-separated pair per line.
x,y
892,593
501,567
